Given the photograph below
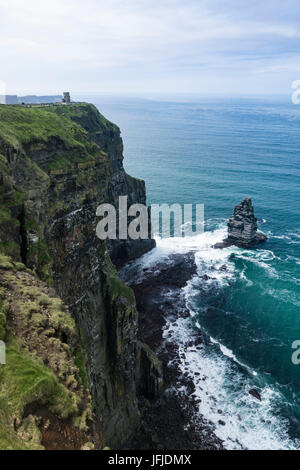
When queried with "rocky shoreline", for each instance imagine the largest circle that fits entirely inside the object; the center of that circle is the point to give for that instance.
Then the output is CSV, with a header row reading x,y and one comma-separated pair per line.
x,y
173,421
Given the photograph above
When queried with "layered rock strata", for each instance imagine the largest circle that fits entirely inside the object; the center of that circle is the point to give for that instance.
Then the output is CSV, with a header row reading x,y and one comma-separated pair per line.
x,y
242,227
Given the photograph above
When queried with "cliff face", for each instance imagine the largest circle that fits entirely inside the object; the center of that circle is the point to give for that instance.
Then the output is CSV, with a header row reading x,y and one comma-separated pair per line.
x,y
107,136
57,165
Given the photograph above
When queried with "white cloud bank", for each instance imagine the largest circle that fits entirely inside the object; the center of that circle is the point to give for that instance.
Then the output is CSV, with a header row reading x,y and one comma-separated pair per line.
x,y
136,46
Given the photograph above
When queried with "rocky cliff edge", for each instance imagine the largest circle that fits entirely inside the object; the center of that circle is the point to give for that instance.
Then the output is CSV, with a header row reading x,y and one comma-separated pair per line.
x,y
57,164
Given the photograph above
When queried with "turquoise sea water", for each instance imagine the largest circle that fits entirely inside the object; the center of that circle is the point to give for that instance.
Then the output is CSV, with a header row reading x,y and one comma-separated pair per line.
x,y
216,152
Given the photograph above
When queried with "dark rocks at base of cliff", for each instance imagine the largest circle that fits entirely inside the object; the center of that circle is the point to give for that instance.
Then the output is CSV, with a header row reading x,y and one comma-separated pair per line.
x,y
242,228
170,422
152,296
149,373
121,251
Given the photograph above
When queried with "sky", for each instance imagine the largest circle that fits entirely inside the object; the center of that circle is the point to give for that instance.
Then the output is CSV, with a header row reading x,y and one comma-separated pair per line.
x,y
139,47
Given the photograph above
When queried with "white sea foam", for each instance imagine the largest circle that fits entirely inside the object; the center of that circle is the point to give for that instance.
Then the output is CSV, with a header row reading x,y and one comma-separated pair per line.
x,y
295,234
281,237
261,259
206,257
292,258
237,418
292,238
227,352
244,277
284,295
166,247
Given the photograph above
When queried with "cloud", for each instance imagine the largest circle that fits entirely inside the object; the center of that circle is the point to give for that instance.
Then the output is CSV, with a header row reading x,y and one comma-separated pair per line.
x,y
117,41
286,64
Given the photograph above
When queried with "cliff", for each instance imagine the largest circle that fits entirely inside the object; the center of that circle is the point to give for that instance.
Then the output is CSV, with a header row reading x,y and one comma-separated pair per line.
x,y
57,164
107,136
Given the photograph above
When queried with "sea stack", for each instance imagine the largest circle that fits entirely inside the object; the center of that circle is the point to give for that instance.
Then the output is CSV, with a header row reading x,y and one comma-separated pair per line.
x,y
242,227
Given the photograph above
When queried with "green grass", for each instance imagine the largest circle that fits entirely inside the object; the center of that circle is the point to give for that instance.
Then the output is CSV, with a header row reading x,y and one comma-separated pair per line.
x,y
24,381
9,440
83,112
24,128
19,126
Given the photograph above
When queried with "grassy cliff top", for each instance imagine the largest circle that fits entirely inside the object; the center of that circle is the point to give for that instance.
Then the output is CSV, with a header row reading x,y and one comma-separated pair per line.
x,y
67,128
83,113
19,126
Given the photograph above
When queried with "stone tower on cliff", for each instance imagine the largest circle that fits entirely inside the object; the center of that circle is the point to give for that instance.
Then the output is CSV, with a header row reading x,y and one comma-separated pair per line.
x,y
66,97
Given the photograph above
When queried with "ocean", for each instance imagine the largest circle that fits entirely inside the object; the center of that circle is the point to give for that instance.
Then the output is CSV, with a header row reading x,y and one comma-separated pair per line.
x,y
216,151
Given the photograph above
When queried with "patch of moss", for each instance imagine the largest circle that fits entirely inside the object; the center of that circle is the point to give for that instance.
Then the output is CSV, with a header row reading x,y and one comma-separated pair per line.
x,y
28,309
39,259
8,264
59,319
10,248
30,433
16,199
80,362
5,215
5,262
43,300
117,287
2,326
19,266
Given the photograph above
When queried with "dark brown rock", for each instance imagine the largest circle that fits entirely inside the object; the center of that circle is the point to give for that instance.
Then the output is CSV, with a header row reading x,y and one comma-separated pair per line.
x,y
242,227
255,393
